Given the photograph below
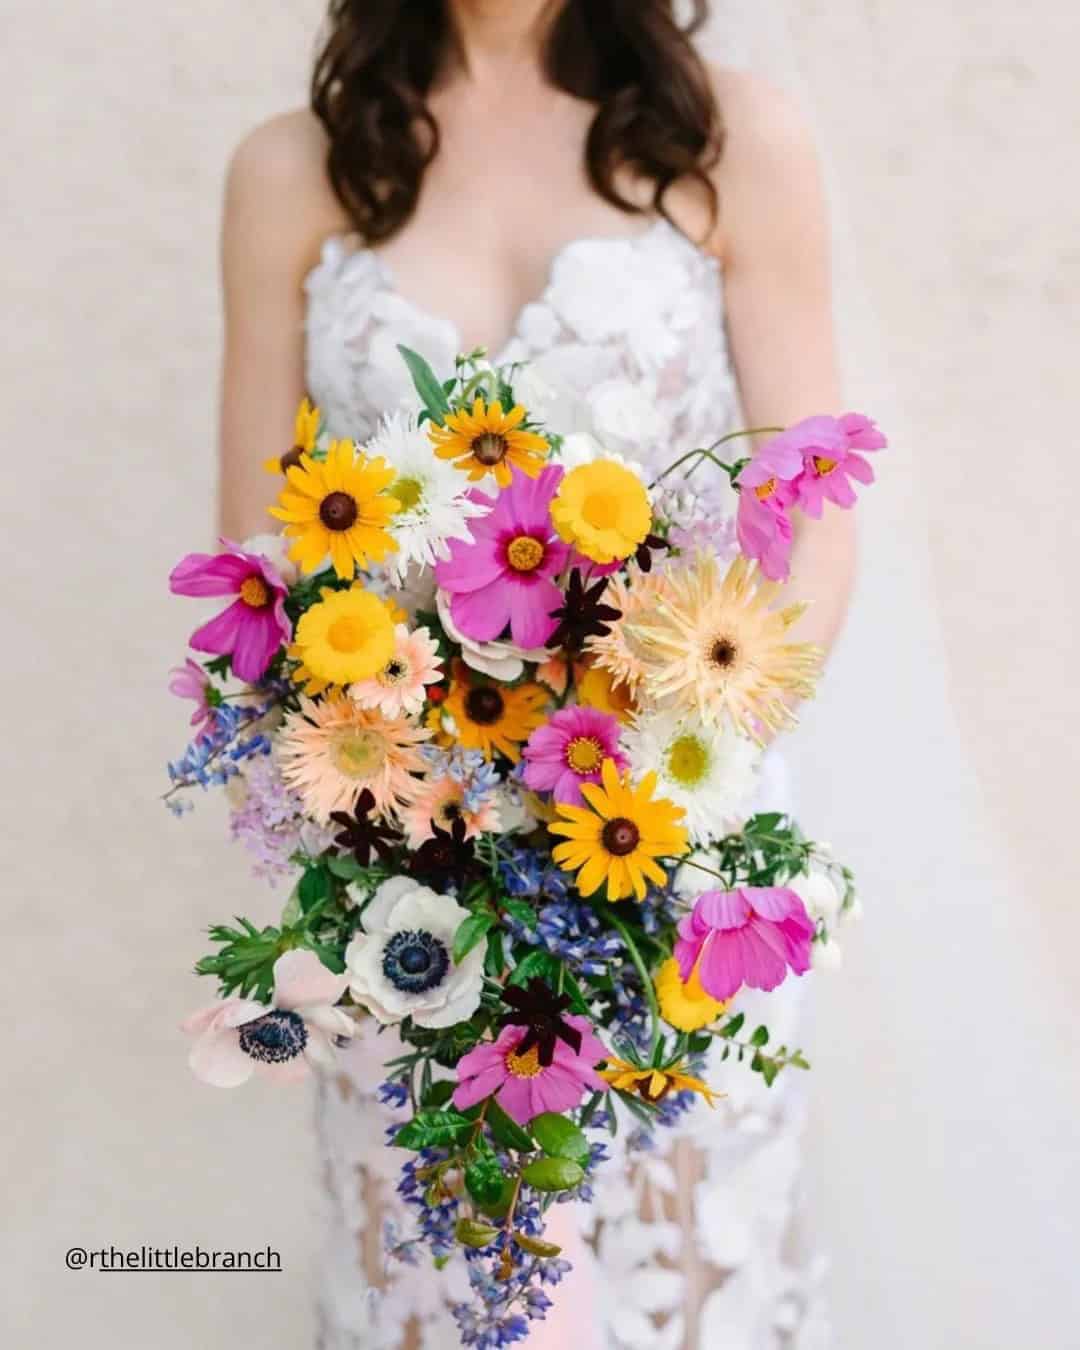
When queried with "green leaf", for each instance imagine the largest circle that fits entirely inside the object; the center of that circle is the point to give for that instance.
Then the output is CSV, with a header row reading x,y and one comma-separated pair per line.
x,y
577,998
472,1233
499,1208
508,1132
760,1036
432,394
345,868
768,1068
560,1138
438,1094
471,932
535,1247
314,887
732,1028
535,964
433,1129
495,957
522,911
485,1180
553,1174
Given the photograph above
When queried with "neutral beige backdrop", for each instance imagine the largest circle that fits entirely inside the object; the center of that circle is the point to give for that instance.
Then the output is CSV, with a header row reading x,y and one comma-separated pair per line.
x,y
955,139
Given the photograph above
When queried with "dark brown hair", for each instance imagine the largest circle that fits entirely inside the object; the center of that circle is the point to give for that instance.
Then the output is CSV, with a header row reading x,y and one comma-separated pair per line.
x,y
655,111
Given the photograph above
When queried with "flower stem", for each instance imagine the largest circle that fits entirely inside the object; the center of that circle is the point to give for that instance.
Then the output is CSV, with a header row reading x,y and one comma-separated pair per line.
x,y
650,992
707,453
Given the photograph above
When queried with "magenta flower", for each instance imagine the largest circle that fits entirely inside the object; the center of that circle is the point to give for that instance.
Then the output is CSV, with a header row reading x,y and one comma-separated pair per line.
x,y
750,936
814,461
191,681
255,625
569,750
764,531
520,1084
506,576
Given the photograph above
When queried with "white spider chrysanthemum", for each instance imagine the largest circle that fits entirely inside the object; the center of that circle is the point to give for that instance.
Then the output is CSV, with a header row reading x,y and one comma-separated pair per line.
x,y
434,496
711,772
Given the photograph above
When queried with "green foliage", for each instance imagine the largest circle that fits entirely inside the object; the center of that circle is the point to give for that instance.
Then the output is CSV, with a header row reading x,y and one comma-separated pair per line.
x,y
560,1137
507,1131
471,933
535,1247
553,1174
432,394
434,1129
485,1180
472,1233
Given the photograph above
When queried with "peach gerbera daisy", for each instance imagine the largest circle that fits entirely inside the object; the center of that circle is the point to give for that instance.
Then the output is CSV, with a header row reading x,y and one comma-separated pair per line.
x,y
331,751
718,646
399,688
441,801
620,652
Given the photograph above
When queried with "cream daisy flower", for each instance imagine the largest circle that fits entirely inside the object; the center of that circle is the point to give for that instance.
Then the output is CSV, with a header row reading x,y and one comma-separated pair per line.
x,y
434,496
621,652
717,645
710,771
332,750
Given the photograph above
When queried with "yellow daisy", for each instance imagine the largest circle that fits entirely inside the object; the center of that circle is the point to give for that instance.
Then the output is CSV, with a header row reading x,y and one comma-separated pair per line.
x,y
616,839
338,507
344,638
596,688
718,645
331,751
603,510
686,1007
490,717
488,440
305,435
653,1085
620,651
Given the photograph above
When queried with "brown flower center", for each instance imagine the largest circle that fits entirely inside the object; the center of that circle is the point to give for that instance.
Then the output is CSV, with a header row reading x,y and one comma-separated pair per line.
x,y
484,705
394,672
291,458
824,466
644,1088
338,511
620,836
526,1065
723,653
255,592
490,448
525,554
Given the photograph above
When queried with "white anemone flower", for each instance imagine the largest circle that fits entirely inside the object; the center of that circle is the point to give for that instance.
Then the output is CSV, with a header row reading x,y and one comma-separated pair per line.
x,y
401,964
711,772
435,502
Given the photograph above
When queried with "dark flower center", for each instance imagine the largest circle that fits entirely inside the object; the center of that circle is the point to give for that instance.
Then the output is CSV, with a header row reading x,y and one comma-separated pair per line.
x,y
338,511
415,962
723,653
490,448
621,836
274,1039
484,705
291,458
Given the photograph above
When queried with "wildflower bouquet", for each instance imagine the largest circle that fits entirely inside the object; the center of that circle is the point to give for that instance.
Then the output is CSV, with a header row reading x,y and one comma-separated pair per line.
x,y
495,705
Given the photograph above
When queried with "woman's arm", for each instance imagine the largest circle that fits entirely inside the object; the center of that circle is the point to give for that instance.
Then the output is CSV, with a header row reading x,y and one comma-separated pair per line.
x,y
775,249
278,210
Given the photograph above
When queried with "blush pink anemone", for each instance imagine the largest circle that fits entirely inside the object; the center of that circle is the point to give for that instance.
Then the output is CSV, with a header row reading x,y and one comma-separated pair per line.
x,y
239,1037
520,1083
750,936
506,575
570,750
255,625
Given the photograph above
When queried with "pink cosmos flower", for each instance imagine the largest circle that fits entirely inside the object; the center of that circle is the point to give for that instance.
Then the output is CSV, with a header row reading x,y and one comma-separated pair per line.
x,y
239,1037
255,625
191,681
506,576
569,750
521,1085
813,461
764,531
749,936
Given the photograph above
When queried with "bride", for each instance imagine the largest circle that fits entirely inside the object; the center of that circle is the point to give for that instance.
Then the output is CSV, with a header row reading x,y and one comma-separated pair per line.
x,y
562,182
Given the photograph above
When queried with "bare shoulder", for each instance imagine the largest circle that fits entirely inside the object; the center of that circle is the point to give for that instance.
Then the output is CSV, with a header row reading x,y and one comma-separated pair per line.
x,y
277,184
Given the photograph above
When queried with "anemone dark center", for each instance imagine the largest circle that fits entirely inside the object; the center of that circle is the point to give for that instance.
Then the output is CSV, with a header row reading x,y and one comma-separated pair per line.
x,y
484,705
490,448
621,836
723,653
415,962
291,458
275,1038
338,511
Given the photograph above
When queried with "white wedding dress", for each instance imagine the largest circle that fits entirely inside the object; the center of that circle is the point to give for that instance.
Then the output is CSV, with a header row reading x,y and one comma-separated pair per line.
x,y
700,1243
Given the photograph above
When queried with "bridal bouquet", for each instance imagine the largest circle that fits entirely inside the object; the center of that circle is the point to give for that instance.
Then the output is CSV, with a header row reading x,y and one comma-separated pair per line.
x,y
496,704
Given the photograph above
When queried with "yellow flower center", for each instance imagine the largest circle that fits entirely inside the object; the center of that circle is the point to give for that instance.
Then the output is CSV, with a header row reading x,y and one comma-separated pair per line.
x,y
688,761
358,754
526,1065
490,448
348,634
600,510
584,754
255,592
766,490
408,492
525,554
824,466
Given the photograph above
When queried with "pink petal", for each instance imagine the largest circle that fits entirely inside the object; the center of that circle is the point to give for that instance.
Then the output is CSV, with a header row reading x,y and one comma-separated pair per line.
x,y
482,615
289,1071
301,978
203,574
478,1088
257,641
531,623
762,965
773,902
722,909
516,1099
470,566
860,469
217,1059
219,634
721,969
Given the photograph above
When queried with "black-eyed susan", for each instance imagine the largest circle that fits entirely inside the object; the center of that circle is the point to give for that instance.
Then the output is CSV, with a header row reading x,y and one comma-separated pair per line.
x,y
603,510
345,637
338,507
719,646
616,840
685,1006
652,1085
490,717
305,435
484,440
